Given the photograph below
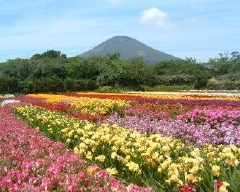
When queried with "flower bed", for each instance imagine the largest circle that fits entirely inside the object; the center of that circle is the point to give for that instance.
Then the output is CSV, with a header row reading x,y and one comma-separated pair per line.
x,y
169,163
32,162
171,142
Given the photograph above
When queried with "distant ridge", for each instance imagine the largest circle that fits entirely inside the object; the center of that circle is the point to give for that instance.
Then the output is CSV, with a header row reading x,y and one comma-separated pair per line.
x,y
129,48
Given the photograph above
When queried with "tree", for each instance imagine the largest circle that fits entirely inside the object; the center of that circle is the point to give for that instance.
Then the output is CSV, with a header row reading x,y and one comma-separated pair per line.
x,y
49,54
113,56
8,84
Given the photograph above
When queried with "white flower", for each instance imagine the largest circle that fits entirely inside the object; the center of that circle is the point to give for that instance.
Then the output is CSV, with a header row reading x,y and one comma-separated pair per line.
x,y
5,102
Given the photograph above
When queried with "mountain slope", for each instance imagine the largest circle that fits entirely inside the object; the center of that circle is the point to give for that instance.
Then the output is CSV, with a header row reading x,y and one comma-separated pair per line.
x,y
129,48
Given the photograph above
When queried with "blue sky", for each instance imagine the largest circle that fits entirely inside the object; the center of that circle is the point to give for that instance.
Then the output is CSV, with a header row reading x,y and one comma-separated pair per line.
x,y
200,29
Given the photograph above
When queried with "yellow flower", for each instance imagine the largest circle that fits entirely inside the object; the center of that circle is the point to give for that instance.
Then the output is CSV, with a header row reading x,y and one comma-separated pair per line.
x,y
114,148
89,155
91,169
81,151
133,167
166,163
82,146
195,152
127,157
113,155
225,184
80,131
191,177
166,148
112,171
173,169
194,169
236,162
174,179
160,169
216,170
230,159
75,150
100,158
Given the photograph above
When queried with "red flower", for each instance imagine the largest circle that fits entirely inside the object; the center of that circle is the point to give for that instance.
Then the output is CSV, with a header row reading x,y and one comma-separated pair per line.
x,y
219,184
188,188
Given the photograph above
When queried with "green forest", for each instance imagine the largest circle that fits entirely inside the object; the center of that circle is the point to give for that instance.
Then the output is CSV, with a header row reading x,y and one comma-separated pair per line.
x,y
53,72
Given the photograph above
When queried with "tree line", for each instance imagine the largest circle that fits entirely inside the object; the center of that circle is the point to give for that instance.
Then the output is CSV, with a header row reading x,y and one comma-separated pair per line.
x,y
53,71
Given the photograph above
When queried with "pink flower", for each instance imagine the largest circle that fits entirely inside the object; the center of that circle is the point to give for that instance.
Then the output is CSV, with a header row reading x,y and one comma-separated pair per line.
x,y
102,174
116,185
136,188
46,183
81,175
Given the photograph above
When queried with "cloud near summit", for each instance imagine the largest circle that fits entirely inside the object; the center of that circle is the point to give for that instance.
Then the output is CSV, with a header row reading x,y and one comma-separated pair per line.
x,y
155,16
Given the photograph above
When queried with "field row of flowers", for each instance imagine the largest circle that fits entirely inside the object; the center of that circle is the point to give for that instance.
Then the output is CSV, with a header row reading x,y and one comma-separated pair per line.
x,y
104,104
221,130
191,96
86,105
194,124
164,95
134,96
32,162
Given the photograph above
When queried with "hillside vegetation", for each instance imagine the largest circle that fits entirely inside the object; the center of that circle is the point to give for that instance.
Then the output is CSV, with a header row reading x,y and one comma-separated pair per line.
x,y
52,71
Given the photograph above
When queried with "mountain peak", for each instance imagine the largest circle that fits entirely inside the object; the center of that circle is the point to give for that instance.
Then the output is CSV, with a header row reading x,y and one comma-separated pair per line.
x,y
122,38
128,48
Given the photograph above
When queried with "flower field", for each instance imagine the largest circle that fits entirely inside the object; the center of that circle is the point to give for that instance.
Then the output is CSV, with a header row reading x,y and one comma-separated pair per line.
x,y
121,142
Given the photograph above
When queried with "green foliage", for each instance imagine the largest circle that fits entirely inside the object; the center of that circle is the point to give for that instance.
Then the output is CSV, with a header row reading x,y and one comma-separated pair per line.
x,y
168,88
187,72
224,84
26,86
49,54
234,180
8,84
117,89
52,71
172,80
225,64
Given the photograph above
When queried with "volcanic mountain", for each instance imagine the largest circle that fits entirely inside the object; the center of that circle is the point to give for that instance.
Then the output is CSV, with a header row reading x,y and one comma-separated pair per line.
x,y
129,48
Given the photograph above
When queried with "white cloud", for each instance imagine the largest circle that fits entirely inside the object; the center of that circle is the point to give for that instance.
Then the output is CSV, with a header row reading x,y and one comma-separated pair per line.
x,y
154,16
115,1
